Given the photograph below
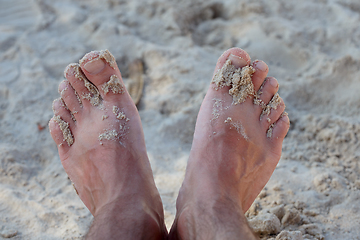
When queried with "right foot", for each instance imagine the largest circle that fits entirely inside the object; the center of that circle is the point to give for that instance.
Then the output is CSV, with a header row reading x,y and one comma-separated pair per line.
x,y
101,145
235,150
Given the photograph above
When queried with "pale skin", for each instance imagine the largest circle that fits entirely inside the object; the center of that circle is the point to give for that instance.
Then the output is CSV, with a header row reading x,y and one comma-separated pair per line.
x,y
114,179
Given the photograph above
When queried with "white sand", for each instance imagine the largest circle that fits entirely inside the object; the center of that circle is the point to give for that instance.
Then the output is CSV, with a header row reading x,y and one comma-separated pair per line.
x,y
311,47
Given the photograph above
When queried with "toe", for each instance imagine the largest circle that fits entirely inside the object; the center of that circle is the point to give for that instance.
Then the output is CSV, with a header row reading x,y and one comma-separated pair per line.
x,y
261,71
268,89
280,129
61,133
60,109
272,112
70,97
239,58
101,69
86,91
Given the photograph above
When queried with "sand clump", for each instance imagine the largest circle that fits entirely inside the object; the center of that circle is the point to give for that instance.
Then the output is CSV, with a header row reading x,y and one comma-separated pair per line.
x,y
273,104
114,85
64,126
269,132
119,114
238,79
8,233
289,235
217,107
78,99
108,57
108,135
265,224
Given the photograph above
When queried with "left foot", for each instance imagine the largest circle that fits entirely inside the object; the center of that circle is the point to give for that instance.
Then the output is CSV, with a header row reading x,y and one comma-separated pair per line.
x,y
101,145
237,145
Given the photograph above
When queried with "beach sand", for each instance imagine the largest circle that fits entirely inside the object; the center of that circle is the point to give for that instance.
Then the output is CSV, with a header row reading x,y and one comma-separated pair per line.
x,y
311,47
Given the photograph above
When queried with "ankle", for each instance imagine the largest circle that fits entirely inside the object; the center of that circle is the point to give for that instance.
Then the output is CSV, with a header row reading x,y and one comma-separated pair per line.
x,y
136,218
221,219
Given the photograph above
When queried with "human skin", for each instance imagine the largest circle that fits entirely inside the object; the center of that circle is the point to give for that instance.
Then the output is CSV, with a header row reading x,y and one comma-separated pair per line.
x,y
226,171
114,179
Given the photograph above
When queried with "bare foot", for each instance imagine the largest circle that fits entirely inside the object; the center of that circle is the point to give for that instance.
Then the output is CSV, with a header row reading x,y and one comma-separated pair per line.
x,y
101,145
236,147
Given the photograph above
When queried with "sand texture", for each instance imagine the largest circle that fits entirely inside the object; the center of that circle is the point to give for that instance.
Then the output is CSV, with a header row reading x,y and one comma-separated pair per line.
x,y
239,81
113,85
93,96
64,127
311,47
108,135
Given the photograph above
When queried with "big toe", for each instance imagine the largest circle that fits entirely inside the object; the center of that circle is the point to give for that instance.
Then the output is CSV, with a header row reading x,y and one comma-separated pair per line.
x,y
239,58
101,69
234,58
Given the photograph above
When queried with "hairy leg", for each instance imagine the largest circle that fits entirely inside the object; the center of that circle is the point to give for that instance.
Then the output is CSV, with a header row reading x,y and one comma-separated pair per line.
x,y
237,145
101,145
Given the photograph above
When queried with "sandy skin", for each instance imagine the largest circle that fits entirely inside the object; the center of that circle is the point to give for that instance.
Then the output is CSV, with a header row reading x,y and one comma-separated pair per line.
x,y
227,170
113,176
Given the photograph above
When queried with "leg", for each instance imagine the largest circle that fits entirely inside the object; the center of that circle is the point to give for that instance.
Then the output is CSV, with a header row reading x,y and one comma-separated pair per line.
x,y
101,145
236,147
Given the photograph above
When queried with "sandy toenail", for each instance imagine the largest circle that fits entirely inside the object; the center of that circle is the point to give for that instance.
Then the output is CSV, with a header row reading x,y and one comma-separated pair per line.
x,y
237,61
94,66
260,65
70,70
96,55
62,87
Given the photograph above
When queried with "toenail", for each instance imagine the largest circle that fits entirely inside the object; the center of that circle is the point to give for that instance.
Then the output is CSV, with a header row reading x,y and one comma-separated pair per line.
x,y
274,82
62,86
69,70
55,104
94,66
260,65
284,117
237,61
